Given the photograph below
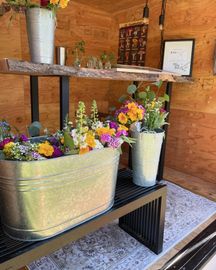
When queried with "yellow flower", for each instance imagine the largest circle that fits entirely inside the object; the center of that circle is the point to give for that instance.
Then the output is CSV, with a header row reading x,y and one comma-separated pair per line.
x,y
54,2
121,127
45,149
152,104
122,118
90,140
84,150
105,130
63,3
7,147
140,114
62,140
132,116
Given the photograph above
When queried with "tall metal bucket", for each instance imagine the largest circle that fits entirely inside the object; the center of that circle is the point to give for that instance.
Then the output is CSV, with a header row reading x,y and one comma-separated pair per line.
x,y
40,199
145,157
40,24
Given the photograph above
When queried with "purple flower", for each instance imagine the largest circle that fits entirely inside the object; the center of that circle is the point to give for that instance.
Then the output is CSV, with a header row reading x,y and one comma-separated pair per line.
x,y
5,141
115,143
121,133
105,138
54,141
113,125
36,156
57,152
23,138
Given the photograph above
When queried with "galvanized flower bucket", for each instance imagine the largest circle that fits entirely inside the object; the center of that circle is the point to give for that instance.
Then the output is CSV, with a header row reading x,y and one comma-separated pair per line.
x,y
40,24
40,199
145,157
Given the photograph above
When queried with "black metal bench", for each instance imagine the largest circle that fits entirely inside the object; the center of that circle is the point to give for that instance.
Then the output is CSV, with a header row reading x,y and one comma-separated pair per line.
x,y
141,213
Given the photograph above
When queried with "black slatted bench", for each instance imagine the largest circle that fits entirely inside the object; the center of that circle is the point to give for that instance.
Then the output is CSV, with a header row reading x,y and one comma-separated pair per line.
x,y
141,213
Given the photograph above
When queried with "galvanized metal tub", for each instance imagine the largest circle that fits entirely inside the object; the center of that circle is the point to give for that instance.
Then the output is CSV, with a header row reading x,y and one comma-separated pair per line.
x,y
40,199
145,157
40,24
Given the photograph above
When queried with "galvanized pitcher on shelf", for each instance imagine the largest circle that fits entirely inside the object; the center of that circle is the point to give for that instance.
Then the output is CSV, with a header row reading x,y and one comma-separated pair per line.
x,y
145,157
41,31
40,199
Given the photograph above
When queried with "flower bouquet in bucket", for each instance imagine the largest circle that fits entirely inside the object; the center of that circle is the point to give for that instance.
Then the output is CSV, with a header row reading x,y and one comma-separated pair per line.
x,y
145,115
41,24
49,184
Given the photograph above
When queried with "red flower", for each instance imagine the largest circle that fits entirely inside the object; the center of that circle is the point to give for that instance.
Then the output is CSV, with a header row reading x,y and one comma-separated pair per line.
x,y
44,3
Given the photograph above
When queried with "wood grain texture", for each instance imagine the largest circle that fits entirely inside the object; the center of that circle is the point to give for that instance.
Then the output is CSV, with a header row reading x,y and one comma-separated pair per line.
x,y
191,143
8,66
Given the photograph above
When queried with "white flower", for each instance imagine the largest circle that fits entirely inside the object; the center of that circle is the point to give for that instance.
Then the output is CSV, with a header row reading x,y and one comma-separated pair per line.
x,y
98,145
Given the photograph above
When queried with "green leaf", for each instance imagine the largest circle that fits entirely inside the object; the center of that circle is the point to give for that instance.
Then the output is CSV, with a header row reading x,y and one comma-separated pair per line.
x,y
148,88
68,141
122,98
142,95
34,129
2,156
158,84
151,95
131,89
166,98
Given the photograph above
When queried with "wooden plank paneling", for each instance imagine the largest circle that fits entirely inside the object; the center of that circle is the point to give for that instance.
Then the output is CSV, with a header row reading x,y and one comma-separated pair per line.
x,y
191,146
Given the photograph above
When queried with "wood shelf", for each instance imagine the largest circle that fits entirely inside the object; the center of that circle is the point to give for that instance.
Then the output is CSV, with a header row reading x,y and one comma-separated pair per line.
x,y
9,66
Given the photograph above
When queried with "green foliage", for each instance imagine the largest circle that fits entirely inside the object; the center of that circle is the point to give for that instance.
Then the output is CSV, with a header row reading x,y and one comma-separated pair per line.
x,y
122,99
155,115
94,112
34,129
81,118
132,88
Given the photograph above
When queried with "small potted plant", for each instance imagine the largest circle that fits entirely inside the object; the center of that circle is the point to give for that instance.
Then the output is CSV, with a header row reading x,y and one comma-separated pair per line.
x,y
54,183
41,24
146,117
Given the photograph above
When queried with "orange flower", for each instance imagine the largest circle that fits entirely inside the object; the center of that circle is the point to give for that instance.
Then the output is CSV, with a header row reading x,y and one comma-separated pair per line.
x,y
132,116
105,130
121,127
54,2
84,150
122,118
63,3
140,114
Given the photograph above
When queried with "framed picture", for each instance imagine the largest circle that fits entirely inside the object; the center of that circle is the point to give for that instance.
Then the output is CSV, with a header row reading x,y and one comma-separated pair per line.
x,y
178,56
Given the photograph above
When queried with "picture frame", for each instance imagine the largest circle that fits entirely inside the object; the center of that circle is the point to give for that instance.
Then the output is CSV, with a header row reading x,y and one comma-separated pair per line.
x,y
178,55
214,64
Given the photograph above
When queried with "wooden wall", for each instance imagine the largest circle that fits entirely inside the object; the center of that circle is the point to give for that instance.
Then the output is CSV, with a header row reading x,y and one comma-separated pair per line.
x,y
191,144
192,134
74,23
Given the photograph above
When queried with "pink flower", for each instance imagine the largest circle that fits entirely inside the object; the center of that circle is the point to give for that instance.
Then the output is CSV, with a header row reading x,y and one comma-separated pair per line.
x,y
5,141
105,138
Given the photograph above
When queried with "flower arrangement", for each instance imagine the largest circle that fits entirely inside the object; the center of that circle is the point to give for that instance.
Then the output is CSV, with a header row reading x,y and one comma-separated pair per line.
x,y
89,134
146,107
21,5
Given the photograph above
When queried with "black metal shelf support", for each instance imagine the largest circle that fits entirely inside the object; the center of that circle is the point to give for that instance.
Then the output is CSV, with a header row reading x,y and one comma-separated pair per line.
x,y
64,98
163,149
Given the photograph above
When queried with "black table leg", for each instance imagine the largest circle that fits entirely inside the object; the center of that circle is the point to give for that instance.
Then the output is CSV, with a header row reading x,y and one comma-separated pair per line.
x,y
163,149
64,99
34,98
146,224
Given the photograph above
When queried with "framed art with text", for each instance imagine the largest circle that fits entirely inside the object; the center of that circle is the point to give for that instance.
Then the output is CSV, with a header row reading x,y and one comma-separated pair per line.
x,y
178,56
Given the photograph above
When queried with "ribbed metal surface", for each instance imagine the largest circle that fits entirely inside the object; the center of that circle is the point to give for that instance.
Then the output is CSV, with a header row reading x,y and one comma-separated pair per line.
x,y
126,192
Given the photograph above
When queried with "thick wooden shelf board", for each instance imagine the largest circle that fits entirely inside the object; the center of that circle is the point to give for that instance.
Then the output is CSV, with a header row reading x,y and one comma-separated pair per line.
x,y
8,66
